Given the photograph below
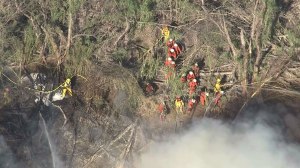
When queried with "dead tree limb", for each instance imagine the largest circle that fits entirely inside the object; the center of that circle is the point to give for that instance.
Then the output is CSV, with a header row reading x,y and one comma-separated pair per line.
x,y
123,34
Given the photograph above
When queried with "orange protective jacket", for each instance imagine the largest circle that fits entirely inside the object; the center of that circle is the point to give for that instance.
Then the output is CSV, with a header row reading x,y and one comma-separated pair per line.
x,y
191,77
172,54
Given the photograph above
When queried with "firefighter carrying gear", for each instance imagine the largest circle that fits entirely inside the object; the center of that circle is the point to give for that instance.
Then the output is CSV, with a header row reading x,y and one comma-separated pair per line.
x,y
179,105
66,86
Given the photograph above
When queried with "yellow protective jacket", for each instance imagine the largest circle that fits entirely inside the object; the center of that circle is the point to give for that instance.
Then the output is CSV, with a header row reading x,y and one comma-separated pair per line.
x,y
217,87
166,33
179,103
67,88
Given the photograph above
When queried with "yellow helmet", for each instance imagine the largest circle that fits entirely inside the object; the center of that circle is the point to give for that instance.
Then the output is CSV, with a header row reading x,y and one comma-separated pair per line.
x,y
218,80
68,80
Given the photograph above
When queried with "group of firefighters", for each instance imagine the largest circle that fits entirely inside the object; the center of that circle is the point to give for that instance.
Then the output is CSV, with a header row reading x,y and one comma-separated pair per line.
x,y
191,79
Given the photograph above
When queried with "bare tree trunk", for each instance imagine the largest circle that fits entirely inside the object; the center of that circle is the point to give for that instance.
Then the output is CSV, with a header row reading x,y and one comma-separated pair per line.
x,y
245,63
69,38
236,70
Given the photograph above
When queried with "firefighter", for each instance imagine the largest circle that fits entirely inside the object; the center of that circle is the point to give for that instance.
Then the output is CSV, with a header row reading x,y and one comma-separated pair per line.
x,y
162,110
218,92
191,76
172,53
168,62
177,48
170,43
165,33
191,105
183,78
192,86
179,104
149,89
196,69
66,87
173,65
203,95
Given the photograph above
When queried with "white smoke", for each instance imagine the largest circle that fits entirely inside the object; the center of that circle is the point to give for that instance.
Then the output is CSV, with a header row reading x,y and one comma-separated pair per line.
x,y
7,158
212,144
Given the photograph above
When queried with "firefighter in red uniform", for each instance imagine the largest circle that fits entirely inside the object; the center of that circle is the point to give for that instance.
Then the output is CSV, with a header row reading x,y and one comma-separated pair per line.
x,y
203,95
149,89
172,53
191,76
170,43
196,69
191,105
168,62
192,86
177,48
162,110
183,78
173,65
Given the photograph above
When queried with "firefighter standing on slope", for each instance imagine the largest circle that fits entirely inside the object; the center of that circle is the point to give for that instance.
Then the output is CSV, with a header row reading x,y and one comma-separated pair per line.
x,y
218,92
165,33
66,87
191,76
183,78
192,86
149,89
170,43
179,104
177,48
172,53
162,110
203,95
196,69
191,105
168,62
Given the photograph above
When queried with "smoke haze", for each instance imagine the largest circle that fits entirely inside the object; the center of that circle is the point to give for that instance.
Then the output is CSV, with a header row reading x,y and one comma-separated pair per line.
x,y
212,144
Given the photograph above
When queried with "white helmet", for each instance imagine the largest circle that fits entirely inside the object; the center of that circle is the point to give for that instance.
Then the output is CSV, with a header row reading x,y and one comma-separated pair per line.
x,y
172,50
172,62
191,72
194,80
175,44
193,100
183,75
196,64
169,59
171,40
